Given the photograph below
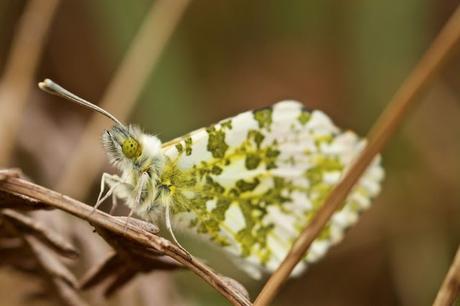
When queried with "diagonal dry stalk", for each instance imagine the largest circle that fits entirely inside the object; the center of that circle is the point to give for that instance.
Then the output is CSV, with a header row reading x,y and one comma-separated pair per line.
x,y
136,240
450,287
22,62
121,95
380,134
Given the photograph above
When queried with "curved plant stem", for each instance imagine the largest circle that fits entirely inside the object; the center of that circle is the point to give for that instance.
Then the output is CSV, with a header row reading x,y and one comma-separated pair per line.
x,y
122,93
450,287
380,134
21,64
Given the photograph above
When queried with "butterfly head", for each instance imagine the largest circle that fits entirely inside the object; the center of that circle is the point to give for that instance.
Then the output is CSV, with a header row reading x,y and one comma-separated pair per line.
x,y
123,145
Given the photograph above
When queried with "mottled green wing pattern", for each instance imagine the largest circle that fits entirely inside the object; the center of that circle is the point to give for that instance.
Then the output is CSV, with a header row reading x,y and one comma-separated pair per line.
x,y
251,183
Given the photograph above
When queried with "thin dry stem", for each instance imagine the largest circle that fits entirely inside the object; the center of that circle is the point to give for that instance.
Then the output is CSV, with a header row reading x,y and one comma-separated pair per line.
x,y
21,65
134,239
379,136
450,287
121,95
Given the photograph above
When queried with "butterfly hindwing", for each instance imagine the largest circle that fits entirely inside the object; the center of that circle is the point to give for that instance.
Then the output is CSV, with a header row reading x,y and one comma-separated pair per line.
x,y
251,183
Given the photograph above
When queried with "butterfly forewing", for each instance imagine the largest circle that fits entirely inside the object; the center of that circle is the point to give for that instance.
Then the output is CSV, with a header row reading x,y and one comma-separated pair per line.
x,y
251,183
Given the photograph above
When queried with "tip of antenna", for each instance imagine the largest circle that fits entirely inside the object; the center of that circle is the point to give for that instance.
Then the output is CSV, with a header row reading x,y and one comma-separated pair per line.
x,y
44,83
48,86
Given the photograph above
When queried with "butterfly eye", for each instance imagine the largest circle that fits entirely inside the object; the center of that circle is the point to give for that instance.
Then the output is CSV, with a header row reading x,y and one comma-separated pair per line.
x,y
131,148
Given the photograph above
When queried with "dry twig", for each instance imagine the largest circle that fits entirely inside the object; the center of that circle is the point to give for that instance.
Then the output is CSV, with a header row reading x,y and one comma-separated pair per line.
x,y
379,136
132,243
120,97
21,65
450,287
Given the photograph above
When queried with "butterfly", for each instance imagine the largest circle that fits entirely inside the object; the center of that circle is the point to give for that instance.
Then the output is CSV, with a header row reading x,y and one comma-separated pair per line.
x,y
248,184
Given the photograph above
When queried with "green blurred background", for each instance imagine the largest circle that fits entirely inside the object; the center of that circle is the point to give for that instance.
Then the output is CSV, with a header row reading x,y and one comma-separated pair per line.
x,y
346,58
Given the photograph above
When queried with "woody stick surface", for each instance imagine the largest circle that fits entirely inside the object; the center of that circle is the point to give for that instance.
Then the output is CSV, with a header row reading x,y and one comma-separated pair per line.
x,y
380,134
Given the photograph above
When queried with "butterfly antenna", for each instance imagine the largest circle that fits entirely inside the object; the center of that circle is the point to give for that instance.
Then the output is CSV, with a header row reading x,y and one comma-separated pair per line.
x,y
50,87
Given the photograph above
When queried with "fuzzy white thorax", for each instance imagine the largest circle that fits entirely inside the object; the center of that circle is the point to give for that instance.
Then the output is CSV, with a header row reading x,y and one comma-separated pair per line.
x,y
151,145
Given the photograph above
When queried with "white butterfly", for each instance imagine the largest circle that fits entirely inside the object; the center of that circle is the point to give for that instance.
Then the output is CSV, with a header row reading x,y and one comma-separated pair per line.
x,y
249,183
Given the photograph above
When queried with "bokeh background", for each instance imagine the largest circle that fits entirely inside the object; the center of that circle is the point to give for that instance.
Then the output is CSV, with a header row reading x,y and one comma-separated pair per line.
x,y
346,58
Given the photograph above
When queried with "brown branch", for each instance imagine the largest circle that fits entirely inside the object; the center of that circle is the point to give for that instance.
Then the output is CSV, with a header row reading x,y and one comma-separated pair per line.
x,y
130,238
21,65
450,287
379,136
121,95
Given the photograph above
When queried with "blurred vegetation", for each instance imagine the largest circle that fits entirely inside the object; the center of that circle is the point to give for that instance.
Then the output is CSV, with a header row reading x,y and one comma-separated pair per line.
x,y
346,58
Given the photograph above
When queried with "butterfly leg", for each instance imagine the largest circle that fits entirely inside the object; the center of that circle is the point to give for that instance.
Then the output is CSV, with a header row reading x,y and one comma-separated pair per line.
x,y
139,190
113,181
114,204
128,218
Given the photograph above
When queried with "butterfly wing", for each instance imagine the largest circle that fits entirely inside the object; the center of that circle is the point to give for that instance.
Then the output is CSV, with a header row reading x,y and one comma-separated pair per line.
x,y
251,183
